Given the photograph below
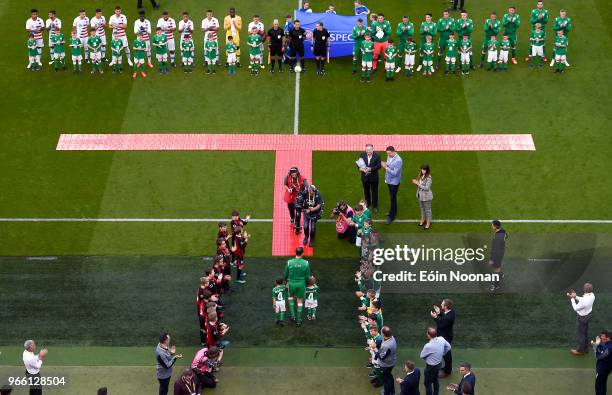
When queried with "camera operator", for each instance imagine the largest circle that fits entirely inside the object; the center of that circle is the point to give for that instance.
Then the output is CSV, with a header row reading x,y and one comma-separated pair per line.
x,y
311,203
294,185
345,227
205,362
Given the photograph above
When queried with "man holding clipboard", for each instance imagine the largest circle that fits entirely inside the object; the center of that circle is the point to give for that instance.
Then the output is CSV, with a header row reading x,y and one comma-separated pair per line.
x,y
369,165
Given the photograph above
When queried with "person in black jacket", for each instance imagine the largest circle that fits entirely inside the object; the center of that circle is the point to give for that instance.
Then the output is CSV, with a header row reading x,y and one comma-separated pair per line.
x,y
409,385
445,319
498,249
320,46
467,385
369,176
603,354
297,35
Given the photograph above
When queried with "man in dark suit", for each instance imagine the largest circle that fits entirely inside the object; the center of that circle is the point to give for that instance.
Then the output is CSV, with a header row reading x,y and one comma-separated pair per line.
x,y
467,385
445,319
369,176
409,385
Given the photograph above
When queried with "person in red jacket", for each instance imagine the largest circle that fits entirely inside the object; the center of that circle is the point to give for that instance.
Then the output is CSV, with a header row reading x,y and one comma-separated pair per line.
x,y
294,183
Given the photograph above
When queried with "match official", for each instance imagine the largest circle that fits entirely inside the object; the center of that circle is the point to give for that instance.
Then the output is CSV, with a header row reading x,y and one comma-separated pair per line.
x,y
33,364
320,47
583,306
275,46
297,35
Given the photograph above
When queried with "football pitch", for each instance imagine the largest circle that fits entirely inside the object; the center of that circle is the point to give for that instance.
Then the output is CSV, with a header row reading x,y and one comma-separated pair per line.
x,y
100,291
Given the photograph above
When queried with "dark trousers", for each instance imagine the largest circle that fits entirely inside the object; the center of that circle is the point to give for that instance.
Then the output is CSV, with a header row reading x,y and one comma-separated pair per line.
x,y
582,332
370,193
153,3
350,234
387,379
448,362
310,228
206,380
431,380
601,381
393,195
294,213
458,2
35,378
163,386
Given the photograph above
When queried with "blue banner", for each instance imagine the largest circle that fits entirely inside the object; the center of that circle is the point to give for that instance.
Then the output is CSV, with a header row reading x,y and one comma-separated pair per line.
x,y
340,28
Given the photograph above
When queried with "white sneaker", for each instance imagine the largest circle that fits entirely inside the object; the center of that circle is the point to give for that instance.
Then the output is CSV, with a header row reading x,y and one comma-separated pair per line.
x,y
420,67
130,63
567,64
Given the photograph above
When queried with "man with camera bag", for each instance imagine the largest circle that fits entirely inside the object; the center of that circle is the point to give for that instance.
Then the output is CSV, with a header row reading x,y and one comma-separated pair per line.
x,y
311,203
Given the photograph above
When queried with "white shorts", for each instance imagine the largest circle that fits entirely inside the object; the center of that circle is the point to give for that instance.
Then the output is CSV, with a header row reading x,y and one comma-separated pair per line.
x,y
450,59
171,45
537,51
503,56
32,59
492,56
279,306
231,58
310,303
117,59
187,60
103,39
148,43
77,58
366,64
560,58
40,43
389,66
256,57
138,61
409,60
95,56
428,63
84,42
162,58
465,58
58,55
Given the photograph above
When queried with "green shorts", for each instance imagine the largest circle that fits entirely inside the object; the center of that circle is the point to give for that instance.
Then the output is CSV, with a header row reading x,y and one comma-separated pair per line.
x,y
297,289
442,43
512,39
357,49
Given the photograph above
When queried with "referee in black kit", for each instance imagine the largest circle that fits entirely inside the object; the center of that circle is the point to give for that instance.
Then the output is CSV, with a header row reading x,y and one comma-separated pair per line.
x,y
297,35
275,46
153,3
320,47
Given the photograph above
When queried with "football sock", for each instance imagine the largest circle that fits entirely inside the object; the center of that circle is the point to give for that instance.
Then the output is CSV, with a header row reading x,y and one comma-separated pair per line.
x,y
300,308
313,312
354,64
292,307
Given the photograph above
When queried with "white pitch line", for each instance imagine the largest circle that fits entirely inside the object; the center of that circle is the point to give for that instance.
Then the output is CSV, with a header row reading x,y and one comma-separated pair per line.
x,y
296,103
269,220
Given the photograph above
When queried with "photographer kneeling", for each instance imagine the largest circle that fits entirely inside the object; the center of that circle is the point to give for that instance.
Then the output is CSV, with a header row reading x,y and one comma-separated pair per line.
x,y
206,361
345,227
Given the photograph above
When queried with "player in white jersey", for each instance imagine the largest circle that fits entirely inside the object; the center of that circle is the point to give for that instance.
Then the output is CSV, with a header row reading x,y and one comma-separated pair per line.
x,y
210,24
168,26
143,25
98,23
260,30
81,25
52,25
185,26
36,26
119,23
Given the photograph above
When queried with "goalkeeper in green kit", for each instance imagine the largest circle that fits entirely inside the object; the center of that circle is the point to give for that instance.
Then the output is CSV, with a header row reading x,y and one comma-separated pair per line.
x,y
297,273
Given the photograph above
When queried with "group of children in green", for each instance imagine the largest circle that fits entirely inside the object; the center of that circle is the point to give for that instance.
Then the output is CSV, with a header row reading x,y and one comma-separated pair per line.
x,y
371,43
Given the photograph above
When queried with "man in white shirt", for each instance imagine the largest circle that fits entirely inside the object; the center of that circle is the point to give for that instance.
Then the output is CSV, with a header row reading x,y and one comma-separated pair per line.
x,y
168,26
81,25
583,306
33,363
36,26
210,24
185,26
119,23
52,25
142,25
98,23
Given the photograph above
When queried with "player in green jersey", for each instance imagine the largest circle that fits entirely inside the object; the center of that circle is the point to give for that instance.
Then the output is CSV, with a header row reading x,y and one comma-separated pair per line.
x,y
451,54
445,27
563,22
465,50
254,42
465,26
312,299
404,30
33,55
511,23
187,53
59,52
297,273
427,55
93,45
390,58
116,55
492,55
427,29
160,42
211,51
381,30
560,58
409,57
504,49
537,39
491,28
230,51
367,54
279,297
538,15
358,36
76,52
140,48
